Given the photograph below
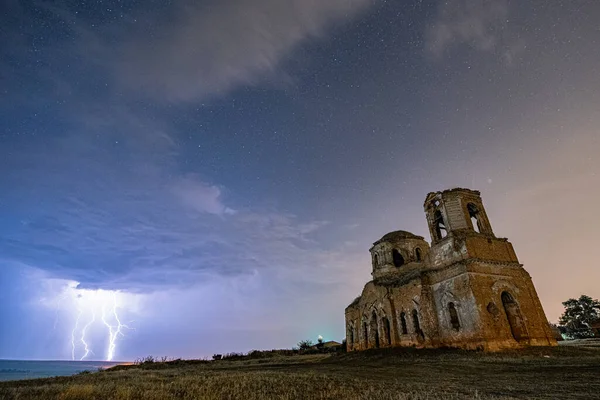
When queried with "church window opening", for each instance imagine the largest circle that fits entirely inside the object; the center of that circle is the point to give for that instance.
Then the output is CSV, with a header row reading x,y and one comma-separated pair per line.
x,y
416,324
403,323
418,254
397,257
474,215
453,316
374,330
387,331
440,227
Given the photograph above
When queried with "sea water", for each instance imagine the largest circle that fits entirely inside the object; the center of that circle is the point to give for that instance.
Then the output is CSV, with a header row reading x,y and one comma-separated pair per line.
x,y
15,369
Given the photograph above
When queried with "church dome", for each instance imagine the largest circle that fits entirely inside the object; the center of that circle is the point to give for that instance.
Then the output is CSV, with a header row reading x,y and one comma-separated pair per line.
x,y
398,235
394,250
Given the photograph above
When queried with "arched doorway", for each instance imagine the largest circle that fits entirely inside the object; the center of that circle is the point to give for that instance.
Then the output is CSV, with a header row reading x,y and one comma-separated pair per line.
x,y
387,334
365,335
374,338
513,314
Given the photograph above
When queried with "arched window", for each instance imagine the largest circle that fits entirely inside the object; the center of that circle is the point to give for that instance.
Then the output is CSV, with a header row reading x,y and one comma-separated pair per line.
x,y
418,254
397,257
416,324
403,323
350,340
375,260
374,331
453,316
474,215
438,223
365,335
387,332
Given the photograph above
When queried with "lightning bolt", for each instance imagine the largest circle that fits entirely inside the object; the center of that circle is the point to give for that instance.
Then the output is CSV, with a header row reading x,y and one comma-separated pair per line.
x,y
87,350
114,331
73,334
90,307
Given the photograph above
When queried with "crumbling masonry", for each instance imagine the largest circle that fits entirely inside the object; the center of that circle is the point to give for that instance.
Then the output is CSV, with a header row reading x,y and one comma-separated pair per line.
x,y
468,290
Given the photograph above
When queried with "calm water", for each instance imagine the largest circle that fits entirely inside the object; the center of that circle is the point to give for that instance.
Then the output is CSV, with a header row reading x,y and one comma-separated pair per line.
x,y
13,369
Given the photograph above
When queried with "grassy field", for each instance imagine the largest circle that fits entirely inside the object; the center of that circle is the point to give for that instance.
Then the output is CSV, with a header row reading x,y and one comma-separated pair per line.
x,y
565,372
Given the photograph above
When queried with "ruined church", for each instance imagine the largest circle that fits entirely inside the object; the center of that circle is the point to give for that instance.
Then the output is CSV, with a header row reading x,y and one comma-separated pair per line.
x,y
467,290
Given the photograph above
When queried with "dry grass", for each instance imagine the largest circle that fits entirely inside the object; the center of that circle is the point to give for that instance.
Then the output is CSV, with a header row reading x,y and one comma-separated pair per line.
x,y
565,372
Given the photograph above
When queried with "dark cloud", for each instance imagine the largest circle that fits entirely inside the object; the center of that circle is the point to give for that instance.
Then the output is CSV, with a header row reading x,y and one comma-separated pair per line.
x,y
118,212
139,233
123,222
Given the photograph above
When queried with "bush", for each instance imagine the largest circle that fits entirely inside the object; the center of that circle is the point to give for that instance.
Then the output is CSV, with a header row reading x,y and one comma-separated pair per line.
x,y
305,344
233,356
253,354
84,372
145,360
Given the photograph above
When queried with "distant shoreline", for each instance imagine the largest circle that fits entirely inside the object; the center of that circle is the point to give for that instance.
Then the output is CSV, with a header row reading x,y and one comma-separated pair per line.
x,y
33,369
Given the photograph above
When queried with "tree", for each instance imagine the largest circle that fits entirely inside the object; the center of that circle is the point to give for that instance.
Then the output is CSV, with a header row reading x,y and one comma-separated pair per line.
x,y
579,315
305,344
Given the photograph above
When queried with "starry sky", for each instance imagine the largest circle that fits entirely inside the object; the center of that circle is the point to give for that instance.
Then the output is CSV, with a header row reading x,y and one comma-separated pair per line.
x,y
214,172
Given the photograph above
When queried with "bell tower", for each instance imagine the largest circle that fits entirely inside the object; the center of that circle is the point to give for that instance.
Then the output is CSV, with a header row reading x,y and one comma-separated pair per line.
x,y
456,210
477,276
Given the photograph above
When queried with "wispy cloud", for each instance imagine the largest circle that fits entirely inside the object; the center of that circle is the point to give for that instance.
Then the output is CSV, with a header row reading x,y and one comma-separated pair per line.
x,y
185,51
200,196
475,23
207,50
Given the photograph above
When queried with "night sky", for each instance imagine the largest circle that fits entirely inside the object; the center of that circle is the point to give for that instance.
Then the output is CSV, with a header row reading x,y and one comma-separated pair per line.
x,y
216,171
